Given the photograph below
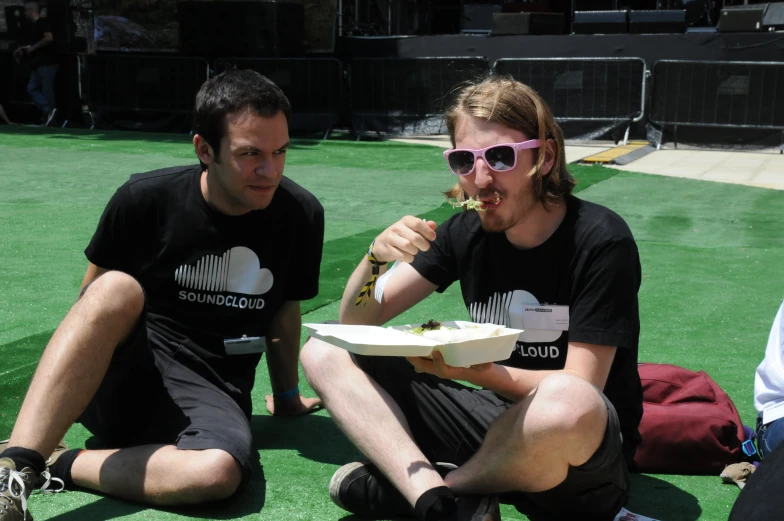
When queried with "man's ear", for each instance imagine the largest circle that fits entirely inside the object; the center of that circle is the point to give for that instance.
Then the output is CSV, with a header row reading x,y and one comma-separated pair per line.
x,y
204,151
549,157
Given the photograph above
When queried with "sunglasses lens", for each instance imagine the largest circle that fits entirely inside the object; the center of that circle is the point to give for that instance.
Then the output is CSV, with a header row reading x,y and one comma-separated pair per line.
x,y
501,157
461,162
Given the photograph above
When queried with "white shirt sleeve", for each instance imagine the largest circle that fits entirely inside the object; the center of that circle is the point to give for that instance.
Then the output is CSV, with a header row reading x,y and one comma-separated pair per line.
x,y
769,380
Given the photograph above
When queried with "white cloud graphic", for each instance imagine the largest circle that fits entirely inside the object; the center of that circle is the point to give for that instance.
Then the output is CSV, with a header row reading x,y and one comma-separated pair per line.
x,y
238,270
507,310
246,274
522,298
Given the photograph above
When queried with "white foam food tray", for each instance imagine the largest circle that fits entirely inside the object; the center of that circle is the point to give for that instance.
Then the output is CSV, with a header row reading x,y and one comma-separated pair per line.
x,y
465,344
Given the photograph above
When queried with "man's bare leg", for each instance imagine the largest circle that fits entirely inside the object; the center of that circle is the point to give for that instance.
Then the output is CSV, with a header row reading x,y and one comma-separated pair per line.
x,y
369,417
68,375
159,475
75,361
531,446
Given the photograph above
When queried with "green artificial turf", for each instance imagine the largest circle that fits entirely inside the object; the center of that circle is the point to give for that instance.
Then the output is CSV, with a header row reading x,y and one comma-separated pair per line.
x,y
711,256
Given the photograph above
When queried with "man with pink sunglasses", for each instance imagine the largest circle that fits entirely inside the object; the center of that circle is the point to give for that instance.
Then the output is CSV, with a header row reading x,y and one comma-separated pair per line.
x,y
556,424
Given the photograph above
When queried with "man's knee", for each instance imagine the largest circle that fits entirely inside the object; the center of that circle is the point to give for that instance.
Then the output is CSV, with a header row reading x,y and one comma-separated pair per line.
x,y
215,475
569,406
116,294
317,355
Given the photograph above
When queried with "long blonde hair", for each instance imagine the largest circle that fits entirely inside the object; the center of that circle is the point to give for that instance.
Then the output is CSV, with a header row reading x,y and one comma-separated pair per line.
x,y
501,99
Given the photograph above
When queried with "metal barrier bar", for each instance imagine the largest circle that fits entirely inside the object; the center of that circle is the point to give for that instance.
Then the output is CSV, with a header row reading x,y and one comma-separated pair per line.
x,y
415,87
718,94
314,86
144,83
584,89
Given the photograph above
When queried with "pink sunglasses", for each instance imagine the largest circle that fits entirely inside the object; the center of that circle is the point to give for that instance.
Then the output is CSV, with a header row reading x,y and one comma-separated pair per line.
x,y
498,158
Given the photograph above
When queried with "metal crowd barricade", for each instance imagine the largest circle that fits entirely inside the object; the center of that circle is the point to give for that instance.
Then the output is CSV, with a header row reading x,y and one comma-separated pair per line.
x,y
142,83
314,86
730,94
407,95
584,89
14,80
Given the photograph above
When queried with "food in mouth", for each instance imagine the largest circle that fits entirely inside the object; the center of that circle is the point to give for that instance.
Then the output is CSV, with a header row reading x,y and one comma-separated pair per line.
x,y
476,204
468,204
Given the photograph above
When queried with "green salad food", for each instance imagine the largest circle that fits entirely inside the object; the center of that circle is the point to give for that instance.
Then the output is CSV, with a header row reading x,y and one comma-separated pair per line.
x,y
430,325
468,204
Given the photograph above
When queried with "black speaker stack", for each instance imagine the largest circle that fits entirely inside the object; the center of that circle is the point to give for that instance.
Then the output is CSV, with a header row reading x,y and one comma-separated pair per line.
x,y
752,18
630,21
527,23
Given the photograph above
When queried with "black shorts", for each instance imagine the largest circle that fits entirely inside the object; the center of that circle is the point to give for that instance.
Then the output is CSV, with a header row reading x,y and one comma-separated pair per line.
x,y
449,422
149,397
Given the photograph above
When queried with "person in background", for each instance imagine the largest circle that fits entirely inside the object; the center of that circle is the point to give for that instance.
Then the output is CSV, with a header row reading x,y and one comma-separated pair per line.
x,y
41,57
4,117
769,390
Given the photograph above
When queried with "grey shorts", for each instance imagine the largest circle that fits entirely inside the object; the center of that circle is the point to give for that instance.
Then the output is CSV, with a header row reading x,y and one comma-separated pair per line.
x,y
449,422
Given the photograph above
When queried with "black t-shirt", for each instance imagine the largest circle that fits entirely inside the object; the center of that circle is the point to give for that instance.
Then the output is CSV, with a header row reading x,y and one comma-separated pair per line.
x,y
46,55
208,276
590,264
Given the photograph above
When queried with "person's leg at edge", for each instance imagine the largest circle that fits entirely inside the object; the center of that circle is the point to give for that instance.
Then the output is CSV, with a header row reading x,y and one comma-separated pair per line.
x,y
47,74
34,89
369,417
161,475
68,375
531,446
770,436
75,361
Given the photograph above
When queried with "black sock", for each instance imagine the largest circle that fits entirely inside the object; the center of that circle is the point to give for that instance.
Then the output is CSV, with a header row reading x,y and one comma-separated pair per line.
x,y
61,468
434,504
25,458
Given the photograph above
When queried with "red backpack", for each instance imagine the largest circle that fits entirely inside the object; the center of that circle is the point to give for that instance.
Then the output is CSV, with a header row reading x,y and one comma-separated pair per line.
x,y
689,424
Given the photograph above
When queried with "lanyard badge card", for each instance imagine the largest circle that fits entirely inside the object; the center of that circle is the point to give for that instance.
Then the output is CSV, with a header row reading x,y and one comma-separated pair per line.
x,y
247,345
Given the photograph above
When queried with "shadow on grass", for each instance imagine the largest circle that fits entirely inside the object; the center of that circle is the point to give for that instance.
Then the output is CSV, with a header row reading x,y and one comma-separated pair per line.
x,y
98,135
656,498
248,501
314,437
651,497
299,140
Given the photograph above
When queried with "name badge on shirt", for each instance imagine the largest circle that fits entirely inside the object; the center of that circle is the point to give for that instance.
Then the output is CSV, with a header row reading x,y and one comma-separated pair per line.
x,y
553,318
247,345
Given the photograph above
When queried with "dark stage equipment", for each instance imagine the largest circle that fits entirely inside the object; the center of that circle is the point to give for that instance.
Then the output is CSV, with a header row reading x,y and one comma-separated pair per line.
x,y
527,23
657,22
252,29
601,22
752,18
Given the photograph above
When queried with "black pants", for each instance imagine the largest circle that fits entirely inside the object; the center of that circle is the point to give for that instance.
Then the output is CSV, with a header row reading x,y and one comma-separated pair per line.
x,y
761,498
449,422
149,397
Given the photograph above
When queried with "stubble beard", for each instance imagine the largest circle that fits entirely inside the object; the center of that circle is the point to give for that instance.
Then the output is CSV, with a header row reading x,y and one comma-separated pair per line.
x,y
524,205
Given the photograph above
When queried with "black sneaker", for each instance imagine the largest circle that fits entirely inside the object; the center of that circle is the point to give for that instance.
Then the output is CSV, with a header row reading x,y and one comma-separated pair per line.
x,y
363,490
476,508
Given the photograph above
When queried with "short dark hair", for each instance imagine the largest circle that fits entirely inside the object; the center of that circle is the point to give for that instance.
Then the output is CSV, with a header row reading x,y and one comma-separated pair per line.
x,y
231,92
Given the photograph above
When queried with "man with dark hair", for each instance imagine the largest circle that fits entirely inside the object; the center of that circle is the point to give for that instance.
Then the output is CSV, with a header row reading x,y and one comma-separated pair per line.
x,y
42,60
556,423
193,273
